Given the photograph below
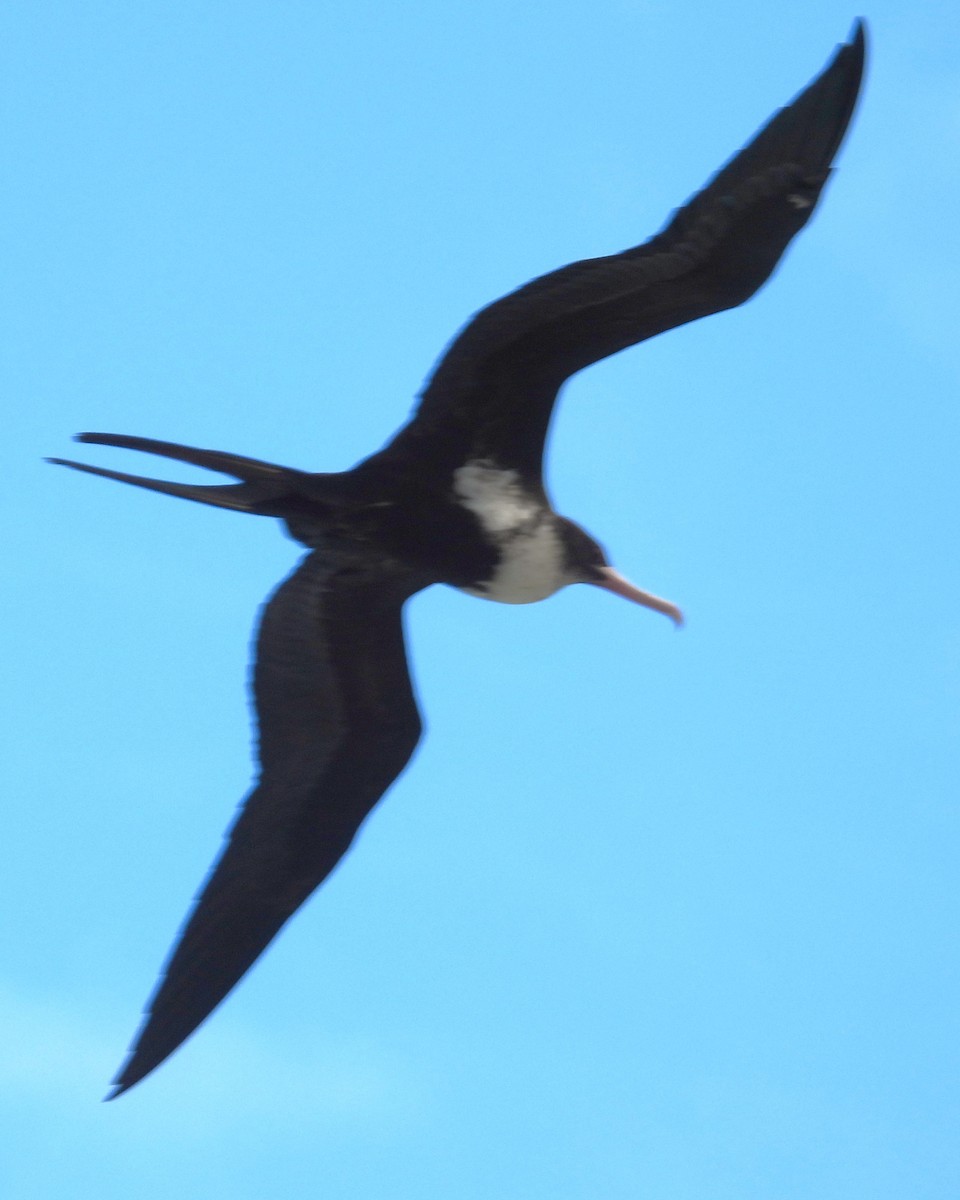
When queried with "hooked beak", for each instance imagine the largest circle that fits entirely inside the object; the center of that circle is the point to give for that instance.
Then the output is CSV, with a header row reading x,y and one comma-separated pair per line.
x,y
614,582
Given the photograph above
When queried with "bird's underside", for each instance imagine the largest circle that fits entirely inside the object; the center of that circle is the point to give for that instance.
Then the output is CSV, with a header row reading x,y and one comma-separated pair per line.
x,y
336,712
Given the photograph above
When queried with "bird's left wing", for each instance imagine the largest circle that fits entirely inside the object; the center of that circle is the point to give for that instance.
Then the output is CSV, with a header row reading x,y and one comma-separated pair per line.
x,y
338,722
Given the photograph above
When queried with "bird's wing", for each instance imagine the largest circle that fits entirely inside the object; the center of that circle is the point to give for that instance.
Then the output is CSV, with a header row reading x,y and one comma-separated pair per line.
x,y
338,722
492,393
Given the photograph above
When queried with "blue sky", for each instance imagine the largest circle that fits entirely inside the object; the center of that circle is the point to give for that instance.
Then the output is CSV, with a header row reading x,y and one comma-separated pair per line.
x,y
653,914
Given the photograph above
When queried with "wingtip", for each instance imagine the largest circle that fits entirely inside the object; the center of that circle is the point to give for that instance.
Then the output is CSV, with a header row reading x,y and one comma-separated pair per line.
x,y
126,1078
858,41
118,1086
850,55
829,102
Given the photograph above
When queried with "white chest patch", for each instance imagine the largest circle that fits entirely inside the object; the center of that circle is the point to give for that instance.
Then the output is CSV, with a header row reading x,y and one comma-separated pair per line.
x,y
495,495
531,563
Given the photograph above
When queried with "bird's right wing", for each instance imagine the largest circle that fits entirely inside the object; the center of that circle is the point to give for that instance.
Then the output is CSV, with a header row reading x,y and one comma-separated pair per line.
x,y
492,393
338,722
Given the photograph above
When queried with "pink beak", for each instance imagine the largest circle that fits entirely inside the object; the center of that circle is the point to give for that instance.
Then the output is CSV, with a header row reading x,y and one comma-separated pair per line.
x,y
614,582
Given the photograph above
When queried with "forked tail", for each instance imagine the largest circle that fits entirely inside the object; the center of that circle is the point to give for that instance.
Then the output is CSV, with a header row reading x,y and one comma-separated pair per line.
x,y
263,487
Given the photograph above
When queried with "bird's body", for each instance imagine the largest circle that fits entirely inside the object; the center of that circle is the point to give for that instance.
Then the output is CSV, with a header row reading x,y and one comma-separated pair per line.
x,y
457,497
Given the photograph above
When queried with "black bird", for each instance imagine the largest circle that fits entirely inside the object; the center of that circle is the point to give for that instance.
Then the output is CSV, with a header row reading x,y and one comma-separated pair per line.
x,y
456,497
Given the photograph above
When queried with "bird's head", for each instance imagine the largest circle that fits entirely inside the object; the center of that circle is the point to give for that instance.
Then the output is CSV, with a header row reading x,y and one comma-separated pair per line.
x,y
586,562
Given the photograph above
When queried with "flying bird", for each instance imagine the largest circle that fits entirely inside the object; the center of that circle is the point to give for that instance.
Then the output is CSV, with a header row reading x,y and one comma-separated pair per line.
x,y
457,497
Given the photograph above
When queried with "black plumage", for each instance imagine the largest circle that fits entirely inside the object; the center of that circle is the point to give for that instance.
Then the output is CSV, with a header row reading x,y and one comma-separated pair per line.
x,y
456,497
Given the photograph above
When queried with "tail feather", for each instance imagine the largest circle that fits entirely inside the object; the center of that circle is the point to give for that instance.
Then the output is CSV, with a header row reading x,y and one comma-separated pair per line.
x,y
250,470
263,487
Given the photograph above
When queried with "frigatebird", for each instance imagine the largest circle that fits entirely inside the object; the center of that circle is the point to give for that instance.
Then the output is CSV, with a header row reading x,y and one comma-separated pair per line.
x,y
457,497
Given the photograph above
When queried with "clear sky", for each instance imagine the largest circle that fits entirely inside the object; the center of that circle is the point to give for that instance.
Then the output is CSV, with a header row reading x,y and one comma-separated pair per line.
x,y
656,915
